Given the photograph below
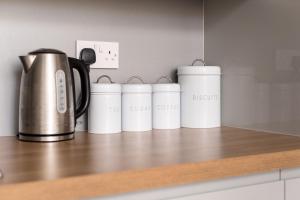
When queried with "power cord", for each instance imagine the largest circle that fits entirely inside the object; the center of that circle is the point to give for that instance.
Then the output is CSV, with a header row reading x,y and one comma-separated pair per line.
x,y
88,56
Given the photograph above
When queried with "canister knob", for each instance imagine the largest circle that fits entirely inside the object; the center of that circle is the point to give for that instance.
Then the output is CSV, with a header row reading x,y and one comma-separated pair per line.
x,y
135,77
198,60
104,76
165,78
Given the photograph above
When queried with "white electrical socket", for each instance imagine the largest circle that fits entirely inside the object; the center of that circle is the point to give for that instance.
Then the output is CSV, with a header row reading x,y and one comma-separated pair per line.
x,y
107,53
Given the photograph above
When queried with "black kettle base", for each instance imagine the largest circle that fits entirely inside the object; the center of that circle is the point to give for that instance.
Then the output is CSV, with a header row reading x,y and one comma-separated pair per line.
x,y
45,138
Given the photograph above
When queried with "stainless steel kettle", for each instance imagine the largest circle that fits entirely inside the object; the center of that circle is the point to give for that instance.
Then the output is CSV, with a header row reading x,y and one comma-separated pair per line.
x,y
47,96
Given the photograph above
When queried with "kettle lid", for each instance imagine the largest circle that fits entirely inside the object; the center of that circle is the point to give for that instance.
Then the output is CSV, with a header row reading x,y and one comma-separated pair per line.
x,y
50,51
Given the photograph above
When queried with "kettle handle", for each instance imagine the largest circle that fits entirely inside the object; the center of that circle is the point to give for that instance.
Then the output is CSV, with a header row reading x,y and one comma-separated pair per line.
x,y
80,66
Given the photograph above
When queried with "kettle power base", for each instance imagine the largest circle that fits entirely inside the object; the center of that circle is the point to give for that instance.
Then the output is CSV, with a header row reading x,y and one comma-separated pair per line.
x,y
48,138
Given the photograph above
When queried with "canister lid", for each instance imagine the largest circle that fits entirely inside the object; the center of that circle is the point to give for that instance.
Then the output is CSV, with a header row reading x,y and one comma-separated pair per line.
x,y
136,88
166,87
105,88
199,70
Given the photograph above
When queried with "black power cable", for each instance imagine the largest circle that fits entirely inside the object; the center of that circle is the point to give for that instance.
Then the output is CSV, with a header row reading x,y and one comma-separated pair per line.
x,y
88,56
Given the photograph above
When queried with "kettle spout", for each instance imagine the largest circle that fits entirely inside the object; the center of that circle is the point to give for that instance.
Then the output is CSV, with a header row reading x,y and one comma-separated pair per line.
x,y
27,61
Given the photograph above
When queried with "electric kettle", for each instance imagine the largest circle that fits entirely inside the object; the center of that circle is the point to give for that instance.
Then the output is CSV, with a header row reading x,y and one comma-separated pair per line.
x,y
47,109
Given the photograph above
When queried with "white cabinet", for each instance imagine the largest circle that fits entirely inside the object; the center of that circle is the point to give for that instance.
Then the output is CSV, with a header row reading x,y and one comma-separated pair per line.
x,y
276,185
292,183
252,187
292,189
268,191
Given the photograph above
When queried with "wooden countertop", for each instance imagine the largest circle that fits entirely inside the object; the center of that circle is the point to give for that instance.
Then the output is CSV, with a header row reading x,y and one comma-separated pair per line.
x,y
93,165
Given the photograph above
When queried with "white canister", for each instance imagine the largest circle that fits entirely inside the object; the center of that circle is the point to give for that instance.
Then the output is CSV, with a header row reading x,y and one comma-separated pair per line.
x,y
136,107
105,108
200,96
166,105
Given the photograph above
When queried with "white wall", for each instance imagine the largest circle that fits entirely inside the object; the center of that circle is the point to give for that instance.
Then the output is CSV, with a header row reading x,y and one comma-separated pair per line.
x,y
257,44
155,37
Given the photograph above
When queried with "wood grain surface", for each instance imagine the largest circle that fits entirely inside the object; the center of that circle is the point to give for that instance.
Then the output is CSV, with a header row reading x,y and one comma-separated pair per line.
x,y
93,165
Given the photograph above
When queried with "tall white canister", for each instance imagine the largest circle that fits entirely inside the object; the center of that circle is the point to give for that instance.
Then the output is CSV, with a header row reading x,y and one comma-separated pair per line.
x,y
200,95
136,106
104,114
166,104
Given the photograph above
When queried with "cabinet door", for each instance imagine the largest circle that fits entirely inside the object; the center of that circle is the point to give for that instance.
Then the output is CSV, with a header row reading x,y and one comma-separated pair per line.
x,y
268,191
292,189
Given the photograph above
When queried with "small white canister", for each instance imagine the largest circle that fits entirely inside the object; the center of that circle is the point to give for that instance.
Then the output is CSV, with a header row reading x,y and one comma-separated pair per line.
x,y
105,107
136,106
200,96
166,105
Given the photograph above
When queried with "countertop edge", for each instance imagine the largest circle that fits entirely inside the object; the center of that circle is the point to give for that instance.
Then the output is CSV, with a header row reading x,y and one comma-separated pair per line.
x,y
151,178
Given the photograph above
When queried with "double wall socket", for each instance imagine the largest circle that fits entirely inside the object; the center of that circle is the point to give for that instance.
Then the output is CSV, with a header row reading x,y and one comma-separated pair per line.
x,y
107,53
